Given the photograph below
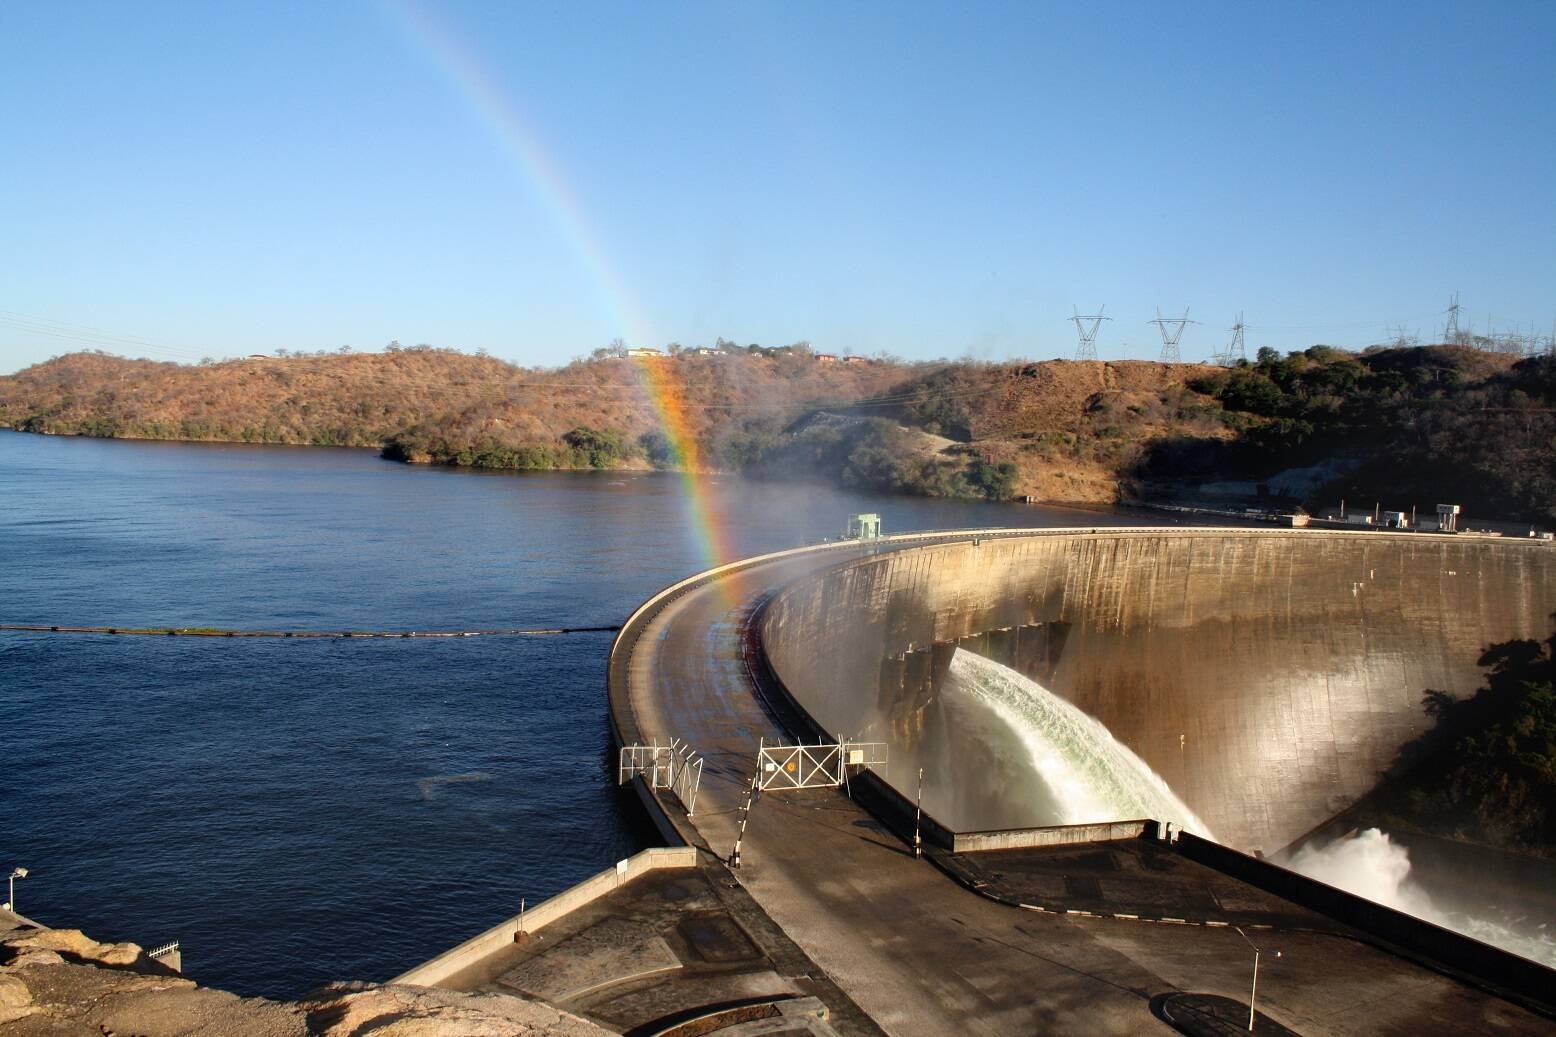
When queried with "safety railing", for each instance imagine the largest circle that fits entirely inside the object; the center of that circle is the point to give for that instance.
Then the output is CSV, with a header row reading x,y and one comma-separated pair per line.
x,y
676,767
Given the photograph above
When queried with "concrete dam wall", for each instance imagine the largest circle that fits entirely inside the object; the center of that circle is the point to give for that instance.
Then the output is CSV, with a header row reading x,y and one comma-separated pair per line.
x,y
1270,677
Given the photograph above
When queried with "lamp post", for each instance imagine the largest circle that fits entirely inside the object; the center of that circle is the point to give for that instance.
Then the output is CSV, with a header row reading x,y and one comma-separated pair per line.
x,y
1254,990
16,873
918,817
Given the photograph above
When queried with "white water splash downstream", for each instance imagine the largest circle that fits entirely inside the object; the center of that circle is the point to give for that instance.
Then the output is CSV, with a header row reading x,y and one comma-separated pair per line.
x,y
1370,865
1090,775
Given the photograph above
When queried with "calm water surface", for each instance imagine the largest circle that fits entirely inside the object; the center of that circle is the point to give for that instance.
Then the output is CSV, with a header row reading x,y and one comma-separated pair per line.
x,y
268,803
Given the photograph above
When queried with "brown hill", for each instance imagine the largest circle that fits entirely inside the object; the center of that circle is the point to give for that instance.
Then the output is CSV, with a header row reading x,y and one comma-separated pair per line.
x,y
1072,429
1448,422
1066,427
368,399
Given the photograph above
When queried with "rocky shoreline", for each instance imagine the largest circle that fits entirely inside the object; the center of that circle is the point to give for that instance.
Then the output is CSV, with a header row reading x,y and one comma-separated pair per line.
x,y
62,983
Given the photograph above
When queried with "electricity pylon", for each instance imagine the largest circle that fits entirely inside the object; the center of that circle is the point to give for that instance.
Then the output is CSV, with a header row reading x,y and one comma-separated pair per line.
x,y
1451,326
1172,330
1234,350
1087,350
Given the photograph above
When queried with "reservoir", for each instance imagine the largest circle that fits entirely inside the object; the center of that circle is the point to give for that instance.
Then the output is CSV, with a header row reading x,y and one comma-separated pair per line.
x,y
299,811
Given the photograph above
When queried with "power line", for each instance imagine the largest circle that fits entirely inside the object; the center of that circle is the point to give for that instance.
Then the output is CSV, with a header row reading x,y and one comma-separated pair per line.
x,y
1348,325
86,334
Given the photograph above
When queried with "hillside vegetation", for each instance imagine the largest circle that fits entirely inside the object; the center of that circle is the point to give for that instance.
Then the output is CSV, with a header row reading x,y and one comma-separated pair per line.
x,y
1486,772
1408,426
1415,426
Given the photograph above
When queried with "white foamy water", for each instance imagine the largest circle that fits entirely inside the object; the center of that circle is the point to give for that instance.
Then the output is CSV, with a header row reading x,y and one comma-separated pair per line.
x,y
1090,775
1371,865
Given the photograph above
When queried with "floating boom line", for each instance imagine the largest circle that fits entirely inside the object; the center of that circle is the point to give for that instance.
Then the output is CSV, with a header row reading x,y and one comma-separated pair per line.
x,y
32,628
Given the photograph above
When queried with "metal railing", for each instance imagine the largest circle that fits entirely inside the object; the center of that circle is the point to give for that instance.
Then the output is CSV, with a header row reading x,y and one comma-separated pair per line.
x,y
168,954
652,761
676,767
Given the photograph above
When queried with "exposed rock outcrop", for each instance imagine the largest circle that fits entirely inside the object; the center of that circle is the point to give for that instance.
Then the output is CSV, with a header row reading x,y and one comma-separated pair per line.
x,y
62,983
350,1009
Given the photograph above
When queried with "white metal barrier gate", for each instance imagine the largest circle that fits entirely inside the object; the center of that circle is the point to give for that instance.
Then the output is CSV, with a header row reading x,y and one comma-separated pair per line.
x,y
818,766
676,767
814,766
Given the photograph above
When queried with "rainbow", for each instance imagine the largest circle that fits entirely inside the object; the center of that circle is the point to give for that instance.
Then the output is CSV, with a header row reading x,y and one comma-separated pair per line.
x,y
668,398
473,83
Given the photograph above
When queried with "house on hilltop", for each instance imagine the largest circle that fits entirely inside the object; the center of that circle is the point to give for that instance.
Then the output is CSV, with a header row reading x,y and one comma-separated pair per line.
x,y
646,351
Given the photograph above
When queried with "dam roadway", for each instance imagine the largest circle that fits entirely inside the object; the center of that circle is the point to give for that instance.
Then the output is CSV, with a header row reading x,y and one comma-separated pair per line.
x,y
915,950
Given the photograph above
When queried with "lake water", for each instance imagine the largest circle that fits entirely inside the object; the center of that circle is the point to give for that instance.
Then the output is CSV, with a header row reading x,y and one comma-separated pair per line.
x,y
274,805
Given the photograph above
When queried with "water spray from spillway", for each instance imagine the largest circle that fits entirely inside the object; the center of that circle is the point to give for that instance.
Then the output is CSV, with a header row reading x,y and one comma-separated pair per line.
x,y
1089,775
1370,864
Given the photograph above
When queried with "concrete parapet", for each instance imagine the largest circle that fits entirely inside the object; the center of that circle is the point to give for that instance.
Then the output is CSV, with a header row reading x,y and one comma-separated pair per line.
x,y
478,948
1058,835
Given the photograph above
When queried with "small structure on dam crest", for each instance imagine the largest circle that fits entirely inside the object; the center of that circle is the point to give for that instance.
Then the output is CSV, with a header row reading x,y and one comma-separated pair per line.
x,y
865,526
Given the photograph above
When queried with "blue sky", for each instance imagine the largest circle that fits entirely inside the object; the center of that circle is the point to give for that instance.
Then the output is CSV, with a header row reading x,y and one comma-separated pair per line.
x,y
218,179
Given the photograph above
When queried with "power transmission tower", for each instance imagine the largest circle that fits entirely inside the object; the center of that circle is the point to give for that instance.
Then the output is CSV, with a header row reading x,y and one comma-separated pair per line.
x,y
1087,350
1172,330
1403,339
1451,327
1234,350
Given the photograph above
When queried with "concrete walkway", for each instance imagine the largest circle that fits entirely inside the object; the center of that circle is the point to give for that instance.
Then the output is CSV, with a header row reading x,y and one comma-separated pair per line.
x,y
919,953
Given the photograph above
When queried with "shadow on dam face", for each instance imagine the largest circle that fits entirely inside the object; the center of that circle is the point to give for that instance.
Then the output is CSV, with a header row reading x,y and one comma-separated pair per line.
x,y
1270,677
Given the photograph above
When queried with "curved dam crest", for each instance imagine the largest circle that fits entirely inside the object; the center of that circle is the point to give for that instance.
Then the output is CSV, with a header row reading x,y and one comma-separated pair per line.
x,y
1269,677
